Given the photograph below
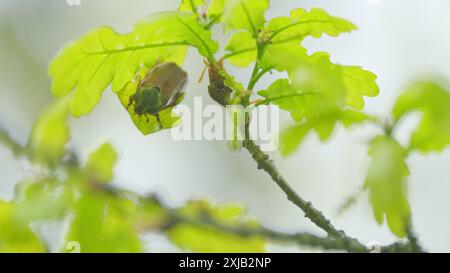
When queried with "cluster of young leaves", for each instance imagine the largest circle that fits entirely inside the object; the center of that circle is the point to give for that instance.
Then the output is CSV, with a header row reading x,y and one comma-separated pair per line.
x,y
386,178
317,93
386,183
432,99
99,220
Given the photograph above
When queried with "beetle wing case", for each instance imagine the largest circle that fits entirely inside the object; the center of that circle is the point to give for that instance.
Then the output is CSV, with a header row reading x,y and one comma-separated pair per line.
x,y
170,78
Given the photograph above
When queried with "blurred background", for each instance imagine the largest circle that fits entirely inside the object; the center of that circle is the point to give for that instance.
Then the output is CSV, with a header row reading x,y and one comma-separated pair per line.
x,y
398,40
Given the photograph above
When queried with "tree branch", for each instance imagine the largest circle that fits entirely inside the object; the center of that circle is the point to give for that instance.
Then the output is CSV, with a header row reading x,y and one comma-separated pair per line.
x,y
341,239
336,242
175,217
302,239
263,162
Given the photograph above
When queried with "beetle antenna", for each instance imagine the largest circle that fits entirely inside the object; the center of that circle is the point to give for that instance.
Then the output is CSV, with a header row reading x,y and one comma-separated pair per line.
x,y
130,101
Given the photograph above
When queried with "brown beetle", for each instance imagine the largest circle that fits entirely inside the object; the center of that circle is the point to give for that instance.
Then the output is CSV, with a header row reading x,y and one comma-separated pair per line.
x,y
161,88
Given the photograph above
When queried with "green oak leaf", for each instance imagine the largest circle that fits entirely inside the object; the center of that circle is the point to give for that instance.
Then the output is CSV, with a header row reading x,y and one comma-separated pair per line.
x,y
50,133
245,14
292,57
318,94
315,74
386,183
432,98
292,136
205,239
315,87
289,98
359,83
284,57
293,30
101,163
215,9
242,49
191,5
302,23
88,65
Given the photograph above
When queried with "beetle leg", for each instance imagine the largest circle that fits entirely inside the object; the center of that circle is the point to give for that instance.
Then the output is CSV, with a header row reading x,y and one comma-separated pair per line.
x,y
147,118
130,101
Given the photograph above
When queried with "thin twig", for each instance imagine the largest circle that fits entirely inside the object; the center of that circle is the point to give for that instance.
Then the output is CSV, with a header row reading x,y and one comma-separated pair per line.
x,y
263,162
16,148
302,239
